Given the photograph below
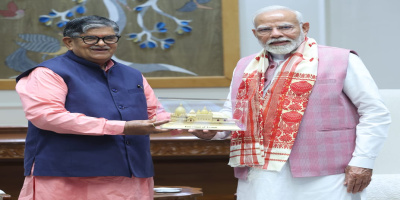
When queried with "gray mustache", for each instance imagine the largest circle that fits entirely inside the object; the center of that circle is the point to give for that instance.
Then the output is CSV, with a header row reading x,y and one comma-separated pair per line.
x,y
279,40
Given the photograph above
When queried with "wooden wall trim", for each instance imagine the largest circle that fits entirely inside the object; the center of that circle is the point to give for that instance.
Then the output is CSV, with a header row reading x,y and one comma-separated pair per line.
x,y
12,145
12,151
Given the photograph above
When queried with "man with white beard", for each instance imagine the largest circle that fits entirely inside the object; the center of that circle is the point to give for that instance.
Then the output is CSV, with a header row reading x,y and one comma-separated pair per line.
x,y
315,119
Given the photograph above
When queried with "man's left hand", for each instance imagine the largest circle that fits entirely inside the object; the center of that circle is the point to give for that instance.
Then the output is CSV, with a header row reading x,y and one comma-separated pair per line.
x,y
203,134
357,178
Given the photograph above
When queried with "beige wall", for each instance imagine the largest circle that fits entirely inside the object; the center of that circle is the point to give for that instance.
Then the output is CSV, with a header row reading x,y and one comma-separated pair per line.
x,y
371,28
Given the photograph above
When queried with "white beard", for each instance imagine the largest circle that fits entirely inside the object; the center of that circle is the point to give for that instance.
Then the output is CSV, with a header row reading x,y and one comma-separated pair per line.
x,y
284,49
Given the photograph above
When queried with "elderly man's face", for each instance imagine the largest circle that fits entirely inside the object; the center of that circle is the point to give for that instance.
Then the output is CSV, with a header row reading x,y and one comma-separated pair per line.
x,y
98,53
279,31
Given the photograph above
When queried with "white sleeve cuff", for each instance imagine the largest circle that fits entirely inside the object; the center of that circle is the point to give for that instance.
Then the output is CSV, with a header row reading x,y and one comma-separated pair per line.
x,y
362,162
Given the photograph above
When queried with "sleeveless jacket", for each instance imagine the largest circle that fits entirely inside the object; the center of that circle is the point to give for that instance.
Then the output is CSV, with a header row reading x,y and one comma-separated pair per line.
x,y
115,95
326,138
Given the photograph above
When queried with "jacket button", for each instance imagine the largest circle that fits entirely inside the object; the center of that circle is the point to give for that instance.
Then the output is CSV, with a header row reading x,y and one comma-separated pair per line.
x,y
114,90
121,107
127,142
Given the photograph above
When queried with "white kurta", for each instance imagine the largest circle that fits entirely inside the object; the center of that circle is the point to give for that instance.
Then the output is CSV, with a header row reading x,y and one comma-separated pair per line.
x,y
371,133
272,185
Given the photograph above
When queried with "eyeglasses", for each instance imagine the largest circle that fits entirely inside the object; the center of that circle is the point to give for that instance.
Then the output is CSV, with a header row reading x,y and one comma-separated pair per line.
x,y
109,39
268,30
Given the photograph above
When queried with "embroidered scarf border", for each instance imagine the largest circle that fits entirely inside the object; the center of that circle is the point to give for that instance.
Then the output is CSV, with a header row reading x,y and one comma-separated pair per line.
x,y
273,120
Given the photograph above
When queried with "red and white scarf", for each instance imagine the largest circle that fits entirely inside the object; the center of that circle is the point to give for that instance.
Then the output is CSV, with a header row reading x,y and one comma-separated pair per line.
x,y
273,120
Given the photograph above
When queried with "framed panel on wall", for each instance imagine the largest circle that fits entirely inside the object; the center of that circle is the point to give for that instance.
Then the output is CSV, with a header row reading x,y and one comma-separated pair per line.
x,y
174,43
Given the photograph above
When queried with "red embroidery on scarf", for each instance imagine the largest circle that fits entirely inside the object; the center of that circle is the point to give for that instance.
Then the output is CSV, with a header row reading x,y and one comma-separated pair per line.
x,y
292,117
244,92
301,87
295,102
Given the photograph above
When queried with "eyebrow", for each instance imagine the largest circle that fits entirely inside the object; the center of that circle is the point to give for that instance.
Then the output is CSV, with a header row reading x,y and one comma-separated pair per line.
x,y
283,24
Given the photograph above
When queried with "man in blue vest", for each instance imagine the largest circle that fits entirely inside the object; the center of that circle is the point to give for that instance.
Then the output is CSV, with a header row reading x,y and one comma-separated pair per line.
x,y
89,120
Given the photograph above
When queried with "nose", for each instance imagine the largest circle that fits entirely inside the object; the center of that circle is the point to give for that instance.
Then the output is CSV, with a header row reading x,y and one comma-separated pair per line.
x,y
275,33
101,42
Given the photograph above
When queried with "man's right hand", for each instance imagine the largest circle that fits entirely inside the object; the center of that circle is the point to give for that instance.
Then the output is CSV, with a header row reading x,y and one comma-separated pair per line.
x,y
144,127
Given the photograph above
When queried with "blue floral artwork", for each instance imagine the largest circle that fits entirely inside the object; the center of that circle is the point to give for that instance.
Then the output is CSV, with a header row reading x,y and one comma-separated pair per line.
x,y
160,35
40,43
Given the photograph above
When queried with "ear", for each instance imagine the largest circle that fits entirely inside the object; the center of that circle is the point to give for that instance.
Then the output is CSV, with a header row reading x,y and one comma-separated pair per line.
x,y
254,32
68,42
306,27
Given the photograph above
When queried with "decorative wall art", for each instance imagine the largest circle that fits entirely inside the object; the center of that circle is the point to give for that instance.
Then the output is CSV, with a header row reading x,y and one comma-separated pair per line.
x,y
174,43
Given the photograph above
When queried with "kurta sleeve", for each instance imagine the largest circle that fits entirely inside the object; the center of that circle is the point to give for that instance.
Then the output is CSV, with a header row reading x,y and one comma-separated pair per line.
x,y
43,94
373,126
227,110
154,107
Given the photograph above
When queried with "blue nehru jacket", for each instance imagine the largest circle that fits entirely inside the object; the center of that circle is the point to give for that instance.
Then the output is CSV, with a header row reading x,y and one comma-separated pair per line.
x,y
116,95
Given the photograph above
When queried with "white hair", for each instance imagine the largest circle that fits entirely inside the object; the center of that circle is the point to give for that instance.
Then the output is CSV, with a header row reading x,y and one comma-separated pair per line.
x,y
299,16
